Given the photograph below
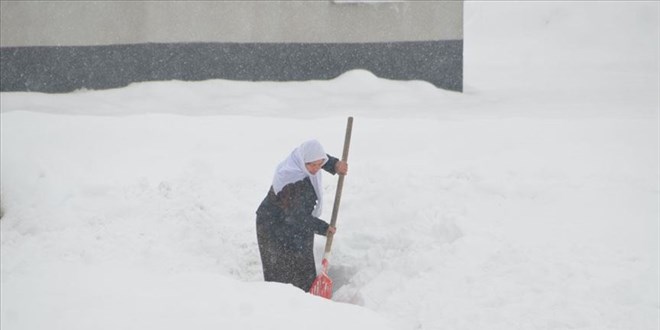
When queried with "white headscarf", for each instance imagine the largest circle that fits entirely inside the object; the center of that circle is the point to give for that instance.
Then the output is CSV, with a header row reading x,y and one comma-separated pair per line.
x,y
293,169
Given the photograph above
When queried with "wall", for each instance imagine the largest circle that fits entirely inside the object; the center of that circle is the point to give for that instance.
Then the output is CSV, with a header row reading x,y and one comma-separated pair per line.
x,y
59,46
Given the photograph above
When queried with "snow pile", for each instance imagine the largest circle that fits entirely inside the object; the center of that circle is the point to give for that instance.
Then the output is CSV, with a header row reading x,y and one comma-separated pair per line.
x,y
530,201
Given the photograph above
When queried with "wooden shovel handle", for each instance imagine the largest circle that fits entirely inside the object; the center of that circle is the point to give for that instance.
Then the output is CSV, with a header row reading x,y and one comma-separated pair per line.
x,y
340,184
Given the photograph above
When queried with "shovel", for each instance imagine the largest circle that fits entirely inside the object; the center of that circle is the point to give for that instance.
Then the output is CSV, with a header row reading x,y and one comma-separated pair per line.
x,y
322,285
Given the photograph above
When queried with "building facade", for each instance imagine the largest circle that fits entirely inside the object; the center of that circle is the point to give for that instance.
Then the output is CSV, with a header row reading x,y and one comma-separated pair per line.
x,y
61,46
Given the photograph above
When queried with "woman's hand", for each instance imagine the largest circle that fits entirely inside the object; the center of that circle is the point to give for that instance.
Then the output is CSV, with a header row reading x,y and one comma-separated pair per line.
x,y
331,230
341,167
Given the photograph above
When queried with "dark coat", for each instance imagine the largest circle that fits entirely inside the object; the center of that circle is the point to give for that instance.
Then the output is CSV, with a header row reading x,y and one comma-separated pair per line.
x,y
285,232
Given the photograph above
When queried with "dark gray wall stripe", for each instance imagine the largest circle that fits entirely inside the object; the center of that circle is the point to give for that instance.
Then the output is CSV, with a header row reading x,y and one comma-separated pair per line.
x,y
64,69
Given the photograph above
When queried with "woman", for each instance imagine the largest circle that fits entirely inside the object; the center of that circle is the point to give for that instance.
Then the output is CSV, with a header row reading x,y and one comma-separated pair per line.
x,y
287,219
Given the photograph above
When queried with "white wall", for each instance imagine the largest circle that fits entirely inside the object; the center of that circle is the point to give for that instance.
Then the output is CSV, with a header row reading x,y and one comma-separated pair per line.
x,y
80,23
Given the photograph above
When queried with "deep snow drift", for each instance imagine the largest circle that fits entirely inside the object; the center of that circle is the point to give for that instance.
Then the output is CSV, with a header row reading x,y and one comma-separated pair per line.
x,y
529,202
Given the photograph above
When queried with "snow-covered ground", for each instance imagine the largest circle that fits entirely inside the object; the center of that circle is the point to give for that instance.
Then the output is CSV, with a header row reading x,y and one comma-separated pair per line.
x,y
531,201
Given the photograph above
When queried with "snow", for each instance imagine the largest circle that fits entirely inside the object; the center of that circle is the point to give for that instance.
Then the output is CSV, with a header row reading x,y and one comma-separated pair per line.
x,y
531,201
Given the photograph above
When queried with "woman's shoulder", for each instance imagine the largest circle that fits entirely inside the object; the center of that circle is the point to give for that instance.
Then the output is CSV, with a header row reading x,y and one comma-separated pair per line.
x,y
306,182
298,186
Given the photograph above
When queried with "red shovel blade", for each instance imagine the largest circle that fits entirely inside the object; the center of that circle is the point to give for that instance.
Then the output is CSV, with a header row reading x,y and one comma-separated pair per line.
x,y
322,285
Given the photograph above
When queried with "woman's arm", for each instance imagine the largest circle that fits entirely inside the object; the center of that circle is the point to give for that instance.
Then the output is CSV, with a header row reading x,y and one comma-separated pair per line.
x,y
329,166
298,201
334,166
